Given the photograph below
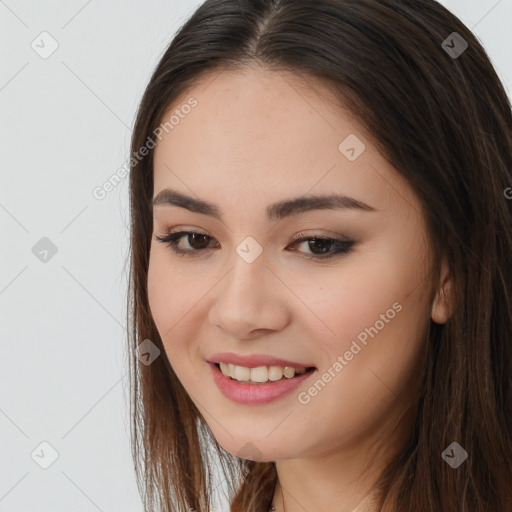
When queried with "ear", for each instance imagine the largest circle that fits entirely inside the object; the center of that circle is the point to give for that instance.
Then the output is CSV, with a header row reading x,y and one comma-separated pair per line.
x,y
442,305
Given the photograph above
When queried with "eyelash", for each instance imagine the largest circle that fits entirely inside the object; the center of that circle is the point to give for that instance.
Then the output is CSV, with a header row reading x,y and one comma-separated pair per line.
x,y
173,238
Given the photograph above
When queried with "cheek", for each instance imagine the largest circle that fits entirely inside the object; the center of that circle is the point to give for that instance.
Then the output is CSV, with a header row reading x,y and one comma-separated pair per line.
x,y
346,301
168,300
163,305
159,297
375,316
371,367
174,298
170,291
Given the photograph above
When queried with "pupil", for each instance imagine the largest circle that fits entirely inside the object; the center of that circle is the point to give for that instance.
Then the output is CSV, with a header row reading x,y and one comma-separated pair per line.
x,y
195,236
324,244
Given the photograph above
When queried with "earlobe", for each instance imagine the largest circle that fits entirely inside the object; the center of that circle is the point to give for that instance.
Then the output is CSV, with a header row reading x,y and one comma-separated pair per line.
x,y
443,301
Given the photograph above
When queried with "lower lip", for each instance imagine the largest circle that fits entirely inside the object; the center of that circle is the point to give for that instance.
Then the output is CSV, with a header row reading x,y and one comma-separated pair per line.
x,y
256,393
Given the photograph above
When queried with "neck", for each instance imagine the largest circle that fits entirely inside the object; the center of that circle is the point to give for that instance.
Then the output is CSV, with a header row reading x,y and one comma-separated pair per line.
x,y
367,504
341,480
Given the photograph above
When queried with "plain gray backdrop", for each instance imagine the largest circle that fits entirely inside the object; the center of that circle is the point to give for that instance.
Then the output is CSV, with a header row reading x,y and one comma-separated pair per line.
x,y
66,114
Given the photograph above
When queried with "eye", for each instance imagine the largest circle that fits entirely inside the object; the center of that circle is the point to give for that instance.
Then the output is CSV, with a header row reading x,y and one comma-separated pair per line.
x,y
198,242
321,247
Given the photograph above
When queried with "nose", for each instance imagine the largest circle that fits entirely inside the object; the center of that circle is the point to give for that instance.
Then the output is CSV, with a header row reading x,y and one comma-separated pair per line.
x,y
250,300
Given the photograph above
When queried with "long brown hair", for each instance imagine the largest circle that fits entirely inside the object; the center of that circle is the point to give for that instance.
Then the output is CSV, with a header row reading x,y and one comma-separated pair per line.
x,y
443,120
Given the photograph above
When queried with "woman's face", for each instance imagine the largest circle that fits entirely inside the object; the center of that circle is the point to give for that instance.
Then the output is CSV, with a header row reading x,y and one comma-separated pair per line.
x,y
256,138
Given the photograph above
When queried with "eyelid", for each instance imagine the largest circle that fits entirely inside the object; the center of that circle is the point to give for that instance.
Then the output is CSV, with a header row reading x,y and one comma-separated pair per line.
x,y
328,234
302,234
343,245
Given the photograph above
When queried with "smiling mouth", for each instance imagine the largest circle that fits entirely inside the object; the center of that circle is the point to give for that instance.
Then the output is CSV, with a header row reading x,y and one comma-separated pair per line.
x,y
264,375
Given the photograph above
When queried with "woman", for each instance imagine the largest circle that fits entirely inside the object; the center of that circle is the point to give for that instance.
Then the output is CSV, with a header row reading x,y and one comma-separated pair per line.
x,y
321,262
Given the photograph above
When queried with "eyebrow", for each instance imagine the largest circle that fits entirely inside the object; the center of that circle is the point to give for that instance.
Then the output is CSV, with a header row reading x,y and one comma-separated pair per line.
x,y
275,211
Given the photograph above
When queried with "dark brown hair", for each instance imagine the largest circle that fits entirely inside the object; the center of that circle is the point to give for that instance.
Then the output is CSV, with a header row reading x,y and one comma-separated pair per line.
x,y
444,122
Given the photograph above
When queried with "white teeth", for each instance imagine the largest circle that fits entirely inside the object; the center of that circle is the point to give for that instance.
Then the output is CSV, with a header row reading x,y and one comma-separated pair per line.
x,y
289,371
260,374
275,373
241,373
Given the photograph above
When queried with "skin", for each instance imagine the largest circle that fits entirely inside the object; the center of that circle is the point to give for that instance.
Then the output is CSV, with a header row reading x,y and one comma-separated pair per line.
x,y
256,137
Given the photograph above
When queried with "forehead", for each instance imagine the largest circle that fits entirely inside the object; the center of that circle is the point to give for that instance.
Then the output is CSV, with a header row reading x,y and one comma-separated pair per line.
x,y
257,132
239,113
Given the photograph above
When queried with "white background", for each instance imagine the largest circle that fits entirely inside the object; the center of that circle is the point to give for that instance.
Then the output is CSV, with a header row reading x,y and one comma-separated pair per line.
x,y
65,124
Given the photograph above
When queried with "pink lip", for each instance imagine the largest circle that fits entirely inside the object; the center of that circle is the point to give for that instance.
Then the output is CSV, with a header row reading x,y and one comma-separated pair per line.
x,y
255,360
255,393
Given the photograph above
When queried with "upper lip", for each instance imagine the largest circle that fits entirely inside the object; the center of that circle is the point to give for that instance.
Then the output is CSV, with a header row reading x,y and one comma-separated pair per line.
x,y
254,360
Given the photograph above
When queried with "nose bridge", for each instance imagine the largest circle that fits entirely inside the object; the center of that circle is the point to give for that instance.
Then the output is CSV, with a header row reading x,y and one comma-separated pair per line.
x,y
247,298
249,275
